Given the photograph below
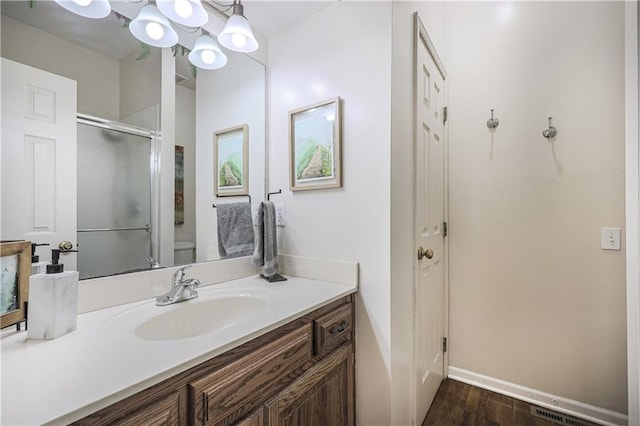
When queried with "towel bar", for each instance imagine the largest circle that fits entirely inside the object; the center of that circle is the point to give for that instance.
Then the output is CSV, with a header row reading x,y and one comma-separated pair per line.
x,y
220,196
269,194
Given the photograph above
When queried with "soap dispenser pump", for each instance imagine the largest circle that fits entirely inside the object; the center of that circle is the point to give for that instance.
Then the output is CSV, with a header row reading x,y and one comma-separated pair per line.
x,y
34,257
56,267
37,267
53,300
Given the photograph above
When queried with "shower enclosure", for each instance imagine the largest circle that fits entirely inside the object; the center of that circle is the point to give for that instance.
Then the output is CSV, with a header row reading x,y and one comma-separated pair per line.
x,y
117,174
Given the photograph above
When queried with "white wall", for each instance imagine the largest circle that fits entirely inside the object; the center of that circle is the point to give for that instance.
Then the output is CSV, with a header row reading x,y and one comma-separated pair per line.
x,y
345,51
533,299
167,155
98,76
186,137
140,88
227,97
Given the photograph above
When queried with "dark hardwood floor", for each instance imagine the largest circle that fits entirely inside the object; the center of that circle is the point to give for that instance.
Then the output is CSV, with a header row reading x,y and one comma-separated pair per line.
x,y
458,404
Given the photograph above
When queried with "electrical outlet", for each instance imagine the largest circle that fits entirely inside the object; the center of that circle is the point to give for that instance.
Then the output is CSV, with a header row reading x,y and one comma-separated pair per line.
x,y
279,214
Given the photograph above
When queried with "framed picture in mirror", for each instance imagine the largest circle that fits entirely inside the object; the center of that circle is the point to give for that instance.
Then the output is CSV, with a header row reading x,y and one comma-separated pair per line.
x,y
179,186
15,269
231,161
315,146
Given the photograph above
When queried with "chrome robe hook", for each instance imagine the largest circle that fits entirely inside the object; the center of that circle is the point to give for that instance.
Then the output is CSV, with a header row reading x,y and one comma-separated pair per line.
x,y
492,123
550,132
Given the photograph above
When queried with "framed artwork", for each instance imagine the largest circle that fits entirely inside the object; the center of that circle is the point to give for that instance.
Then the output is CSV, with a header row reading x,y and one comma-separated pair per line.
x,y
315,146
231,161
179,186
15,269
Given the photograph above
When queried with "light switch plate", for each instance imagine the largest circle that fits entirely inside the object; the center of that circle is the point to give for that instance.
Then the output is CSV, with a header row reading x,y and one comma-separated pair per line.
x,y
611,238
280,215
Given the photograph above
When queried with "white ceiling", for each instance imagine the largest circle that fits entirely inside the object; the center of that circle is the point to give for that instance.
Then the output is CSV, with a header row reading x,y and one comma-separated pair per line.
x,y
101,35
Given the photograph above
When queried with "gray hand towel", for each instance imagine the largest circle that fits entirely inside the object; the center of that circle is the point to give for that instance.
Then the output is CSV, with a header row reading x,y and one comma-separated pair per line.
x,y
235,230
266,250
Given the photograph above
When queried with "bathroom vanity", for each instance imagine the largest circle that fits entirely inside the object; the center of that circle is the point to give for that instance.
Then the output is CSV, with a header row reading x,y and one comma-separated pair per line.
x,y
300,373
244,352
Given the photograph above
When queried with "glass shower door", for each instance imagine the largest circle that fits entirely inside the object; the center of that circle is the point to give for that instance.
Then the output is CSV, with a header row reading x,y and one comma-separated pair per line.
x,y
114,201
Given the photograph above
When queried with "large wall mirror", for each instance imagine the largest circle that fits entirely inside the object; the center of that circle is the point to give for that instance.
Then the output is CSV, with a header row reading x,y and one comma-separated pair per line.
x,y
83,155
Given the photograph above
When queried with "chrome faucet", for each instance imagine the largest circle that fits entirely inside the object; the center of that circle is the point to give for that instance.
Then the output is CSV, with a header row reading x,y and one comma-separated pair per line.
x,y
181,289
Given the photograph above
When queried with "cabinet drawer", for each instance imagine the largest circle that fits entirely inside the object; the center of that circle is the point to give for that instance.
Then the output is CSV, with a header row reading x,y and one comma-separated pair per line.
x,y
333,329
163,412
226,395
141,409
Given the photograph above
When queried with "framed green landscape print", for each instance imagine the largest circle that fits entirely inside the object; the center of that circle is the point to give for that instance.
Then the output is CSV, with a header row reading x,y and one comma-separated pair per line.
x,y
315,146
231,161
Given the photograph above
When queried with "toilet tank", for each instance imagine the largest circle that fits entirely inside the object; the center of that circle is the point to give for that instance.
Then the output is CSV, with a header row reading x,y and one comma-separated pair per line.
x,y
184,252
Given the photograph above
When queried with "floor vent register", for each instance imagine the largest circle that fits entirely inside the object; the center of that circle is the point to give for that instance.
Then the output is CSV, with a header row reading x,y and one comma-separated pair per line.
x,y
558,418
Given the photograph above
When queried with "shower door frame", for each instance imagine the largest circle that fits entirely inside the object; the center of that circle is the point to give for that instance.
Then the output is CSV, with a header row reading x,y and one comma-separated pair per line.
x,y
154,168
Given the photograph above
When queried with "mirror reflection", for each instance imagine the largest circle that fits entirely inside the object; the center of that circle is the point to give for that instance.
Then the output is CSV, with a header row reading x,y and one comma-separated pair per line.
x,y
86,163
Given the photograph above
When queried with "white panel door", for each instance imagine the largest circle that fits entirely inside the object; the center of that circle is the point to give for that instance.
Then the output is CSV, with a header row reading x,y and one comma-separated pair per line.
x,y
38,158
429,227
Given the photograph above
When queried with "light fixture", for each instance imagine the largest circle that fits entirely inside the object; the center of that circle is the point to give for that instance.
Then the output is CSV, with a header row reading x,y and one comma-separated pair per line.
x,y
95,9
152,27
206,54
237,34
185,12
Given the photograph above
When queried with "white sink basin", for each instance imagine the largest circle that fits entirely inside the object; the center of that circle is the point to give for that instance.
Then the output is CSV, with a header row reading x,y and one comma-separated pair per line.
x,y
197,318
213,311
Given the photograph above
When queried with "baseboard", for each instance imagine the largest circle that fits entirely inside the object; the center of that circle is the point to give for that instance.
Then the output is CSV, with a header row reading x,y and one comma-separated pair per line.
x,y
563,405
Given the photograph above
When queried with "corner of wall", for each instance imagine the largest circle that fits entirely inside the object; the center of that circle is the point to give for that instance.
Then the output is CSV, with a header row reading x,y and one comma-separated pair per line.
x,y
632,172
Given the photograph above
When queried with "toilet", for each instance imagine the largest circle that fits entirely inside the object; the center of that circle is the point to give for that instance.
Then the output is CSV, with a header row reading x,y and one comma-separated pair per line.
x,y
184,252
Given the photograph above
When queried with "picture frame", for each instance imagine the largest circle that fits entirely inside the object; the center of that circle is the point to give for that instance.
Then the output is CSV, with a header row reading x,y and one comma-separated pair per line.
x,y
231,161
315,146
178,218
15,269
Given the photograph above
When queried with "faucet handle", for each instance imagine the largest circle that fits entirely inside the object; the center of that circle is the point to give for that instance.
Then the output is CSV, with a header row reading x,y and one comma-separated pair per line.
x,y
178,276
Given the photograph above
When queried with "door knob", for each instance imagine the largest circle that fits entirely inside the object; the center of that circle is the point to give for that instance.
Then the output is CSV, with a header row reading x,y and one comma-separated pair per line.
x,y
428,253
65,245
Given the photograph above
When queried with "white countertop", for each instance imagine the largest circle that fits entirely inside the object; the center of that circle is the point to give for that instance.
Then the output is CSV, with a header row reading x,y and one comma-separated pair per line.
x,y
102,362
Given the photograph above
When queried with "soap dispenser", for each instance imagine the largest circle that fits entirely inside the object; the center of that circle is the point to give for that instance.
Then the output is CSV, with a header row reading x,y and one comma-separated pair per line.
x,y
37,267
53,300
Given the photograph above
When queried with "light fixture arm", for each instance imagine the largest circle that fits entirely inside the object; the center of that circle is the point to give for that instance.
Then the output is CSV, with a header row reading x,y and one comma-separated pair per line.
x,y
238,8
217,9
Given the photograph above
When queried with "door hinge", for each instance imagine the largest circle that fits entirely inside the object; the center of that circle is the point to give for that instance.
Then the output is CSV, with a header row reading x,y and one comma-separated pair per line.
x,y
445,229
444,344
445,114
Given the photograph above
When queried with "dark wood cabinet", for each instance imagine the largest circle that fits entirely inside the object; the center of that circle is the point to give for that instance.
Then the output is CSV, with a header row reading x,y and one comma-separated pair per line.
x,y
322,396
300,374
163,412
143,409
229,393
255,419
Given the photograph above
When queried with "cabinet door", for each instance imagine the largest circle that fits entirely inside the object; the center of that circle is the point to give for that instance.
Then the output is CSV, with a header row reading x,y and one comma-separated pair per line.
x,y
323,396
232,392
